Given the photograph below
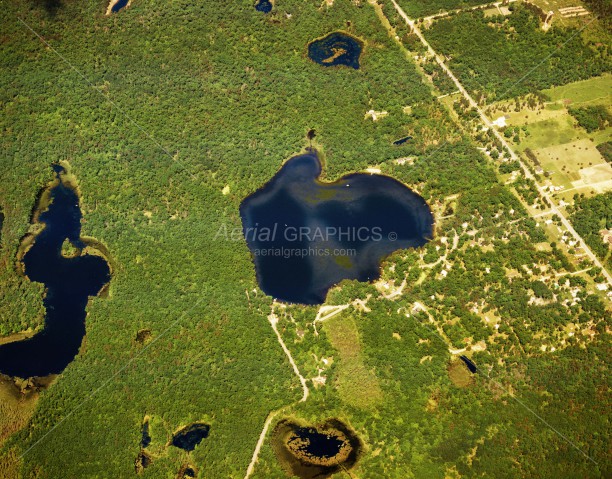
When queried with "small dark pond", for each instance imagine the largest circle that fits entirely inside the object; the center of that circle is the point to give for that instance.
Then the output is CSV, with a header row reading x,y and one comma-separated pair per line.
x,y
146,436
469,363
143,460
119,5
186,471
264,6
190,436
315,452
69,282
401,141
306,236
337,48
316,444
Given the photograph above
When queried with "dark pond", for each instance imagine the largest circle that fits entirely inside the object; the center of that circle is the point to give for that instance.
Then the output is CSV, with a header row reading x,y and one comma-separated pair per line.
x,y
146,436
337,48
119,5
190,436
143,460
69,282
401,141
316,444
306,236
469,363
315,452
1,223
264,6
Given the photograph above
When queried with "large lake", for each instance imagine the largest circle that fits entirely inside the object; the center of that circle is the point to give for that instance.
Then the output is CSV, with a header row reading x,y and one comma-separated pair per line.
x,y
68,281
306,236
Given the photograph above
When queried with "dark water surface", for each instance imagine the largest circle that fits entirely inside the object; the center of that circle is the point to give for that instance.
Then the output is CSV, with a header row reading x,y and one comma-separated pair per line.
x,y
337,48
146,435
401,141
264,6
306,236
190,436
317,452
119,5
69,282
469,363
317,444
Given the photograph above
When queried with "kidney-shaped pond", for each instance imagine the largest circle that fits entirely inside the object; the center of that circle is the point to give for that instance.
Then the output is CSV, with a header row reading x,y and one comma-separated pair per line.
x,y
306,236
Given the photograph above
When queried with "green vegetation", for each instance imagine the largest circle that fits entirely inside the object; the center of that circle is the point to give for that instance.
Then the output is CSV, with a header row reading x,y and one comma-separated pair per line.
x,y
591,90
421,8
438,76
491,54
592,118
357,385
183,335
606,151
602,8
590,216
498,293
543,127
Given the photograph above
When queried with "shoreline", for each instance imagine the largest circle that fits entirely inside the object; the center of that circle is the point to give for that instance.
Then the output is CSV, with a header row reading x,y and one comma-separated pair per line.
x,y
112,3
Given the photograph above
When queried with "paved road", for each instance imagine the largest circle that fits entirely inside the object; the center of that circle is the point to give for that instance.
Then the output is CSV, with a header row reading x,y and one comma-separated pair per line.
x,y
487,123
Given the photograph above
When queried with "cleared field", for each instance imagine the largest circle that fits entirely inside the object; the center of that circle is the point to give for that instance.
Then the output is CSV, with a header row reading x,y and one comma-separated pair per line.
x,y
527,116
566,152
356,384
598,178
592,91
575,14
421,8
557,130
574,165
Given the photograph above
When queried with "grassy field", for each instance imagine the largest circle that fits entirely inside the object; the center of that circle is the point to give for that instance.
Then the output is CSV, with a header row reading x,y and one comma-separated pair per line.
x,y
592,91
565,150
357,385
558,130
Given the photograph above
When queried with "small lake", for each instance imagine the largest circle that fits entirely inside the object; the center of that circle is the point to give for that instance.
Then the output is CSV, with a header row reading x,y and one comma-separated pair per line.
x,y
401,141
305,236
337,48
264,6
315,452
315,444
190,436
146,435
469,363
119,4
69,282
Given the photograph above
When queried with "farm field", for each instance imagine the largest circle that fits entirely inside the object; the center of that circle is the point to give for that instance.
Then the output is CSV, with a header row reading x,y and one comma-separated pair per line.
x,y
566,151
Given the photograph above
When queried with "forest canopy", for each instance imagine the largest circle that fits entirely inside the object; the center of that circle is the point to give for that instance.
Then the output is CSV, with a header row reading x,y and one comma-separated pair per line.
x,y
507,56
